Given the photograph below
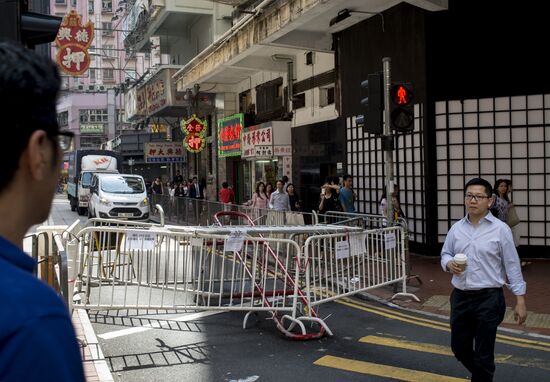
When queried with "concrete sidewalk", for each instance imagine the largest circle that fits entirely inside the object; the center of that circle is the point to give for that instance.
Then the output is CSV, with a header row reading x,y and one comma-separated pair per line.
x,y
433,287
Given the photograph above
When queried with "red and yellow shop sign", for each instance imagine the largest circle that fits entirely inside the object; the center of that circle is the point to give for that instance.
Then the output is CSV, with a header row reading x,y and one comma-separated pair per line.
x,y
194,128
73,41
194,143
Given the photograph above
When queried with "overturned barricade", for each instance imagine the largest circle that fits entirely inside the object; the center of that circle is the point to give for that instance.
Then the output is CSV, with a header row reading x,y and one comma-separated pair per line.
x,y
287,271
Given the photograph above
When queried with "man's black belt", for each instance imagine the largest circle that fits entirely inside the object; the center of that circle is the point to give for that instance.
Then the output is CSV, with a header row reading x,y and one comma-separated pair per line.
x,y
478,291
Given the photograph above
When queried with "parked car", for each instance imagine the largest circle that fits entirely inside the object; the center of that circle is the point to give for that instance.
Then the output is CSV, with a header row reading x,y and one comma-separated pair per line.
x,y
120,196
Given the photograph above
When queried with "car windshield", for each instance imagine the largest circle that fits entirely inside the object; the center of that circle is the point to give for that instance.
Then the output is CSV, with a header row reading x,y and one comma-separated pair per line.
x,y
122,185
86,179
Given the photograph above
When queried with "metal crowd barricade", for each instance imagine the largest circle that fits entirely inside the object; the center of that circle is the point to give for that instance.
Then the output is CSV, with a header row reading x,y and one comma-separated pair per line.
x,y
48,251
200,268
370,221
344,264
200,212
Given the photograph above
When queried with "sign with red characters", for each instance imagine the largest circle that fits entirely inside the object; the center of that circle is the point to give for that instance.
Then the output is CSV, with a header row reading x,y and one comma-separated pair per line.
x,y
73,41
229,135
194,128
194,143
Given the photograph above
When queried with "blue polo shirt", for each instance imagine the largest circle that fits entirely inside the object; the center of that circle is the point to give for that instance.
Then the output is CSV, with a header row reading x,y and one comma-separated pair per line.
x,y
346,198
37,339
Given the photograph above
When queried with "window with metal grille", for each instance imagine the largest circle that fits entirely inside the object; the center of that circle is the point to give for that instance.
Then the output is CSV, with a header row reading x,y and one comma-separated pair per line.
x,y
107,29
108,74
63,118
93,115
106,5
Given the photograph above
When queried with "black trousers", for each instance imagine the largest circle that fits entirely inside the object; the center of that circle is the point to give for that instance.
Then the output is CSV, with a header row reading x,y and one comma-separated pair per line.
x,y
475,316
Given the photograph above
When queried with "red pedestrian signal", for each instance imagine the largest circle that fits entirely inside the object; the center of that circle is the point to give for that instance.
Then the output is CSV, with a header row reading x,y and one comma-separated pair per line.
x,y
402,108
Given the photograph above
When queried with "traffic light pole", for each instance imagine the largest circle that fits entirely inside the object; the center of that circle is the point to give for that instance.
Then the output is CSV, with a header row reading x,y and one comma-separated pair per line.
x,y
387,139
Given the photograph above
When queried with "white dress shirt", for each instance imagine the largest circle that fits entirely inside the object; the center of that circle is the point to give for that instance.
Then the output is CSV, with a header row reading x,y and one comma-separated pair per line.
x,y
279,201
492,255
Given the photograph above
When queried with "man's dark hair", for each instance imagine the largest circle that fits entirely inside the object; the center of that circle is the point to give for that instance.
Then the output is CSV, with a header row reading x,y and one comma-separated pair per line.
x,y
29,83
346,177
480,182
285,179
225,184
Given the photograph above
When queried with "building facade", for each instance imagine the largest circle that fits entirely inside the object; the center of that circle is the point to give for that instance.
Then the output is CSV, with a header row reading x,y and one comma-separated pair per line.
x,y
91,104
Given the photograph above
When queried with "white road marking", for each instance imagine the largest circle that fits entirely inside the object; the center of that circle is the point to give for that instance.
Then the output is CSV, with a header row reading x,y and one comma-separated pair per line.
x,y
155,325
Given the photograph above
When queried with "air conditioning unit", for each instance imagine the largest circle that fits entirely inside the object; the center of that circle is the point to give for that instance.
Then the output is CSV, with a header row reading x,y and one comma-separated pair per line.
x,y
80,87
165,59
101,88
91,88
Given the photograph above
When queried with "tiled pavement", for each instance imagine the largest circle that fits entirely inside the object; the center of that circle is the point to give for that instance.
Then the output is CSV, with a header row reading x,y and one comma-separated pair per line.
x,y
433,287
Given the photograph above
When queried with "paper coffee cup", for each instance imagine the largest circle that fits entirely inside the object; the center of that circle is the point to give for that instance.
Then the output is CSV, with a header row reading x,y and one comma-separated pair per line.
x,y
461,260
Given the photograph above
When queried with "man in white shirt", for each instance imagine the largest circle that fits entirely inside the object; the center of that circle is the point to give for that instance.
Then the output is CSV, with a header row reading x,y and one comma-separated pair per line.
x,y
477,301
279,198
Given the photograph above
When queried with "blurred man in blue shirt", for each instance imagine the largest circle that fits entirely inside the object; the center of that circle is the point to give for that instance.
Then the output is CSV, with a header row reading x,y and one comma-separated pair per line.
x,y
477,301
347,196
37,340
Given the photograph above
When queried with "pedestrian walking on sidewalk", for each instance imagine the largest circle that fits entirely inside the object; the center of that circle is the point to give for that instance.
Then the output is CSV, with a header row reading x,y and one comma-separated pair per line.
x,y
347,195
279,200
37,339
477,301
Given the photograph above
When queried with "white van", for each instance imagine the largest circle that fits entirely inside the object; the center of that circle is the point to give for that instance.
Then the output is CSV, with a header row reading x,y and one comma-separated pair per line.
x,y
118,196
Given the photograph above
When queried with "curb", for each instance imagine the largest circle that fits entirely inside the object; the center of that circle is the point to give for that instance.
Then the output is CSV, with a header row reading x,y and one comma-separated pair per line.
x,y
94,355
370,297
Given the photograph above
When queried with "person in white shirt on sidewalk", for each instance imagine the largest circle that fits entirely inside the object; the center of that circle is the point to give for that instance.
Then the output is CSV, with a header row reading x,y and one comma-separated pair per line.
x,y
477,301
279,200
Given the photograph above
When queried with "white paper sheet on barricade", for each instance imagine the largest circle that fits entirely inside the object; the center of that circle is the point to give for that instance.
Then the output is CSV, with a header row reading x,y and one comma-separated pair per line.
x,y
342,250
357,244
140,240
390,240
197,241
234,243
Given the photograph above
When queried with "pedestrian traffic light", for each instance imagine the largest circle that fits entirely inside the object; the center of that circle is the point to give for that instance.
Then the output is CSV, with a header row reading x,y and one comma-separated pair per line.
x,y
28,28
402,107
374,103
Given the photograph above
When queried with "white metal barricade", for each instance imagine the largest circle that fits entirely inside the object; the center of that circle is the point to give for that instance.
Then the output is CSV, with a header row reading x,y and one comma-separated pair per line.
x,y
127,268
339,265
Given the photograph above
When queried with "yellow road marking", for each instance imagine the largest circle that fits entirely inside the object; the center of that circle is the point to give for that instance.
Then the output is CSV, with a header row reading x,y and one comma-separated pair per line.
x,y
444,350
408,345
369,368
392,316
446,325
519,342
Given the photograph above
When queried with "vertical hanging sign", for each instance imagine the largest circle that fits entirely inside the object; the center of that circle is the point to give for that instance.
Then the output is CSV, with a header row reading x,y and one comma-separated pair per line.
x,y
73,41
194,128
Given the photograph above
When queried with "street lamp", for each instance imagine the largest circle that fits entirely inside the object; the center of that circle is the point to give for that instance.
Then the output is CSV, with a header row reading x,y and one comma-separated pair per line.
x,y
131,163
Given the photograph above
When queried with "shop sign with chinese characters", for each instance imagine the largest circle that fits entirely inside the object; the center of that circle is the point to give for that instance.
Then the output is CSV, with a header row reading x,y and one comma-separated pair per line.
x,y
254,138
229,136
91,128
163,152
194,128
73,41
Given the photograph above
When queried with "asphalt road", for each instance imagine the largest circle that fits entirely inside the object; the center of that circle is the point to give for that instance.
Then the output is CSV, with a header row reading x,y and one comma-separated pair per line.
x,y
371,342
